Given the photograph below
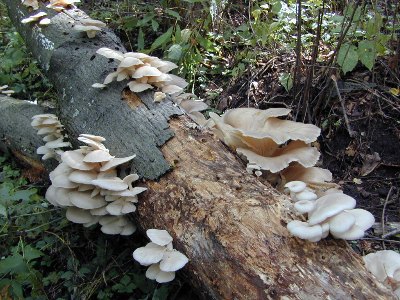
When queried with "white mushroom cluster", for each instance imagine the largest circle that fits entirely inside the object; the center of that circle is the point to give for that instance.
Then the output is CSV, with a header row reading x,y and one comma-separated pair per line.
x,y
31,3
385,266
163,260
192,106
89,26
40,16
271,144
144,72
60,5
6,91
86,183
49,126
333,213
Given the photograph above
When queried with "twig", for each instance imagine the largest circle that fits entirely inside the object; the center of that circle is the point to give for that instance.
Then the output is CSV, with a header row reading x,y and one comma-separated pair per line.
x,y
384,210
391,233
346,120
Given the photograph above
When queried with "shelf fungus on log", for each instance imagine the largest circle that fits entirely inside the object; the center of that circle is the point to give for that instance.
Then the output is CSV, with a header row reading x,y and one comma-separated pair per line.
x,y
231,226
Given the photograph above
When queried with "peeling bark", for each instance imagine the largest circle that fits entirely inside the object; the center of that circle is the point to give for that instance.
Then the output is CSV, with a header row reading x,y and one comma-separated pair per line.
x,y
230,225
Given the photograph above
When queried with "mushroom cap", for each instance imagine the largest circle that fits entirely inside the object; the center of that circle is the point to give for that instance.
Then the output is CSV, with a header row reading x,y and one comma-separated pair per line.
x,y
154,273
304,231
306,195
109,53
171,89
296,186
138,87
116,162
94,144
129,62
62,181
74,159
173,261
146,71
45,21
382,264
159,96
190,106
99,85
128,229
95,138
330,205
150,254
92,22
82,177
85,201
112,184
77,215
159,237
363,221
311,174
304,206
97,156
295,151
341,222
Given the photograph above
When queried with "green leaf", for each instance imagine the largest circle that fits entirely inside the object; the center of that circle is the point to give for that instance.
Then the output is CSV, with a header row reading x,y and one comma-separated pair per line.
x,y
13,264
174,52
276,7
31,253
367,53
163,39
140,41
17,289
173,14
3,211
347,57
154,25
286,80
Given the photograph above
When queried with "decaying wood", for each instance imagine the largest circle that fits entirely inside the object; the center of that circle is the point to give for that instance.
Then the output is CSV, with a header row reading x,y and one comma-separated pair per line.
x,y
230,225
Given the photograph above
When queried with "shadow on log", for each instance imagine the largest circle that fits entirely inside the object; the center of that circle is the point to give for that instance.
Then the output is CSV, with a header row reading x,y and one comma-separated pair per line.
x,y
230,225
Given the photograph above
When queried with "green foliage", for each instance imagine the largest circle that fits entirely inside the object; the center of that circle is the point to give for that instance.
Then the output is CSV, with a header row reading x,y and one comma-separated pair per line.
x,y
286,80
46,257
17,69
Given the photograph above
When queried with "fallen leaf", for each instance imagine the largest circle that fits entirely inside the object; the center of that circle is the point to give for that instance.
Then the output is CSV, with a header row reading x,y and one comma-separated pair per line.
x,y
394,91
357,180
371,162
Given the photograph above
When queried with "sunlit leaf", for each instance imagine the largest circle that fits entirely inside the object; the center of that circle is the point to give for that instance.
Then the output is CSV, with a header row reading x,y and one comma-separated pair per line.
x,y
347,57
367,53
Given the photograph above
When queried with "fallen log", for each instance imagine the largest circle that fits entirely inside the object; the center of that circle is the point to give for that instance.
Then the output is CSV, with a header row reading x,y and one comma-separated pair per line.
x,y
230,225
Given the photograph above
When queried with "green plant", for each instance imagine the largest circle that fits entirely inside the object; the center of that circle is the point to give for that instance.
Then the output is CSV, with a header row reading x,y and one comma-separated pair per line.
x,y
43,256
17,69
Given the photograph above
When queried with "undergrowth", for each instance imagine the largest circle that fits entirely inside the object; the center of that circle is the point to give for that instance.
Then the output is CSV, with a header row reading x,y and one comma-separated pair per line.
x,y
46,257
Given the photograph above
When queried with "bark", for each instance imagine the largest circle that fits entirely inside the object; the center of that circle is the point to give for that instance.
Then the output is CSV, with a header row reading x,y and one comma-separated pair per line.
x,y
230,225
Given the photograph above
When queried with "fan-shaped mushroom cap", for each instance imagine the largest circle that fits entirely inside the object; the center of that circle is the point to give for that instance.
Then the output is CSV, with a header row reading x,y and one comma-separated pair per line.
x,y
45,21
330,205
295,151
304,206
167,66
341,222
120,207
51,195
58,143
101,211
159,237
154,273
34,17
85,201
304,231
146,71
138,87
96,156
82,177
176,80
95,138
190,106
363,221
306,195
382,264
116,162
112,184
62,168
93,22
129,62
171,89
296,186
150,254
109,53
94,144
128,229
74,159
99,85
312,174
77,215
173,261
91,31
62,181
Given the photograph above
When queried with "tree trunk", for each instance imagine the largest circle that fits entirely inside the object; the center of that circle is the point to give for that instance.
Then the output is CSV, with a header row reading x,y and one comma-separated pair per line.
x,y
230,225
